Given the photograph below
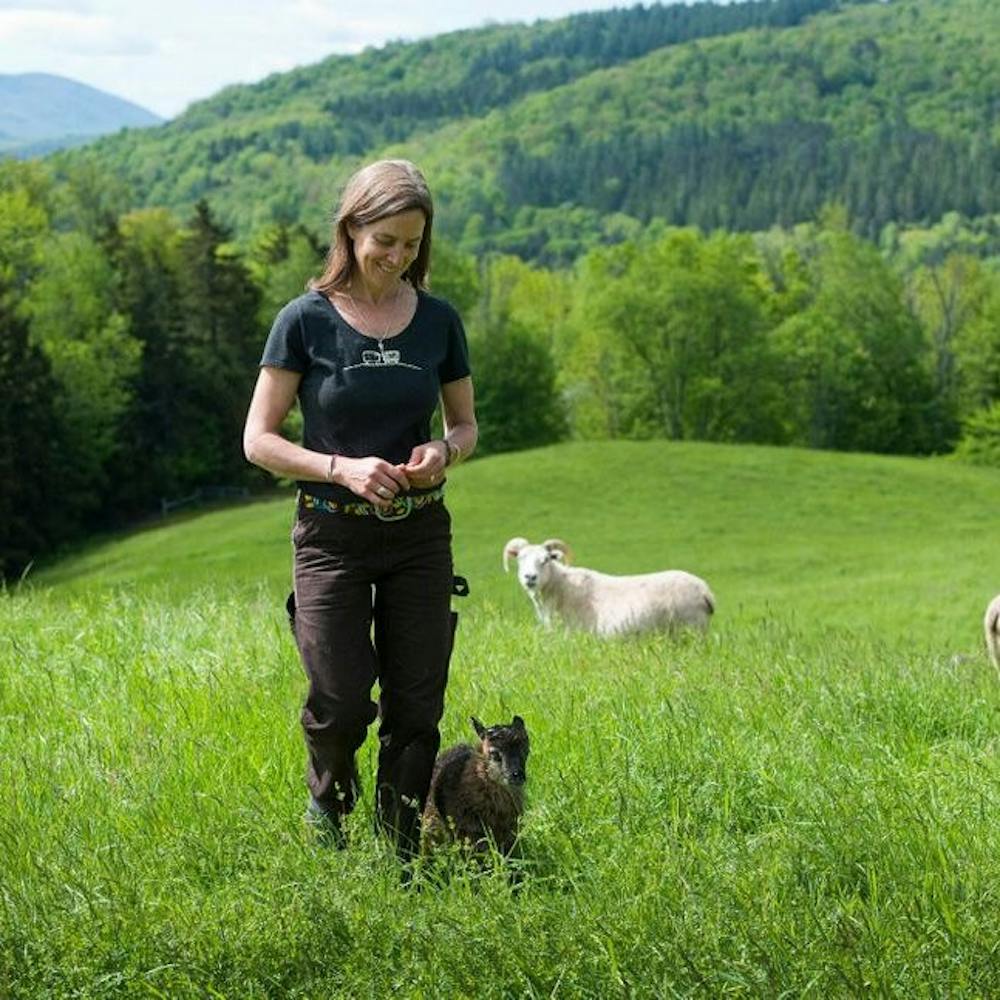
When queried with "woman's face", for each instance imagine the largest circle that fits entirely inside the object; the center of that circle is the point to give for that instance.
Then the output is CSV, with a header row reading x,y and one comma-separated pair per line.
x,y
386,248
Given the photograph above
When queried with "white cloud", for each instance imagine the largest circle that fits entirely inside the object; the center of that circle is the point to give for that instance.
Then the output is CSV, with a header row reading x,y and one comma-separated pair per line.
x,y
60,5
60,31
164,54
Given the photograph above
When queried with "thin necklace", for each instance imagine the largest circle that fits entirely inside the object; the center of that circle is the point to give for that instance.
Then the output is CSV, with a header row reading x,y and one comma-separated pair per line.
x,y
373,326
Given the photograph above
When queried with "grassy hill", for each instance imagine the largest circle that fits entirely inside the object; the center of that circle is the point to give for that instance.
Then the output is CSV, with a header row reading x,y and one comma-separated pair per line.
x,y
803,803
742,116
847,541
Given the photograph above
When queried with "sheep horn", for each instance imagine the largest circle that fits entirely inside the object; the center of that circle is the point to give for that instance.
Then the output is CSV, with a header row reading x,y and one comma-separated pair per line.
x,y
511,549
558,545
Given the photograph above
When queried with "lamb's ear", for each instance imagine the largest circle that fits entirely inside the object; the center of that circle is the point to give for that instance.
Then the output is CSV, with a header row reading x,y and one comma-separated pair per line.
x,y
479,728
511,549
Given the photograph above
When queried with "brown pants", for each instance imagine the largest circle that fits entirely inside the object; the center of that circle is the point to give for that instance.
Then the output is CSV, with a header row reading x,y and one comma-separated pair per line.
x,y
372,602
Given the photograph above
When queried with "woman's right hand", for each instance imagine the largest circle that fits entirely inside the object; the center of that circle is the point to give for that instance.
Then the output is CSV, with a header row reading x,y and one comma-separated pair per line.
x,y
371,478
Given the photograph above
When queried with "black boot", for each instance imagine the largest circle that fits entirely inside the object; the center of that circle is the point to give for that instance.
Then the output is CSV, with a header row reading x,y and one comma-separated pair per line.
x,y
327,825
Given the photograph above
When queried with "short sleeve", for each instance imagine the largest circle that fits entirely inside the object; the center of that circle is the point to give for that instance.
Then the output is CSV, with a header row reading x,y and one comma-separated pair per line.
x,y
285,347
456,360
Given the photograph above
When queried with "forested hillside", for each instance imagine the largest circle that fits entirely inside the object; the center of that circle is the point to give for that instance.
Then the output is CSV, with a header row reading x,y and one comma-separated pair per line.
x,y
272,151
888,110
544,139
771,222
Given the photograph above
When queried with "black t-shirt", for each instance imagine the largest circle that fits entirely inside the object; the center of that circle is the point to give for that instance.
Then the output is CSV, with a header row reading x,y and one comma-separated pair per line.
x,y
359,395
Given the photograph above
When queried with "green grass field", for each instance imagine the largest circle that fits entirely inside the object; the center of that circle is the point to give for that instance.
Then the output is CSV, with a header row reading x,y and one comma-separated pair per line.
x,y
803,804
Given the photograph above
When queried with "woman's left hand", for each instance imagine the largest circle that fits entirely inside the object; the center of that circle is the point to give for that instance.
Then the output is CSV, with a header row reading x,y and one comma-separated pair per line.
x,y
426,466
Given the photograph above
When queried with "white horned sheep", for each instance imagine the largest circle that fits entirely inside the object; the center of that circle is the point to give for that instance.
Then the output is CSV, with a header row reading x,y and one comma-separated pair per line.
x,y
991,625
604,604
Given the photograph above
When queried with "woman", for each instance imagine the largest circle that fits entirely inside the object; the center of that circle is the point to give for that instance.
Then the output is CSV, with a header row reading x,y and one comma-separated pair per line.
x,y
368,353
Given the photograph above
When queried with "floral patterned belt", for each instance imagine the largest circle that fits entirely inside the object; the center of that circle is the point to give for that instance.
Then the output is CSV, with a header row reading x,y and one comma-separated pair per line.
x,y
398,508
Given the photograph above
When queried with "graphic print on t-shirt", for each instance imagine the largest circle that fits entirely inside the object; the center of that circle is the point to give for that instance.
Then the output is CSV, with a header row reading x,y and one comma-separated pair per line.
x,y
381,359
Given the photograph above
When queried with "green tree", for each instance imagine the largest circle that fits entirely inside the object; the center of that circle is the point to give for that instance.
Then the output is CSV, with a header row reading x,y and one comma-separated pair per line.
x,y
192,303
93,359
220,341
854,360
980,443
89,198
517,404
976,341
281,259
24,224
951,299
30,483
454,276
148,263
685,318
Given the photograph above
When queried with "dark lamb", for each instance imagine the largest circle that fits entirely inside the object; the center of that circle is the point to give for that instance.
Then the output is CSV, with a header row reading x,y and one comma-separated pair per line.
x,y
476,796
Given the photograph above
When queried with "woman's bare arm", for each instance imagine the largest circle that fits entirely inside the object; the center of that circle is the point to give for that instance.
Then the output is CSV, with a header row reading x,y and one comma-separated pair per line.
x,y
263,444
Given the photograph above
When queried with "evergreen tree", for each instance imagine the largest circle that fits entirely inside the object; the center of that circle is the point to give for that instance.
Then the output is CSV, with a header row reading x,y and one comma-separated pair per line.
x,y
30,485
221,345
980,444
155,431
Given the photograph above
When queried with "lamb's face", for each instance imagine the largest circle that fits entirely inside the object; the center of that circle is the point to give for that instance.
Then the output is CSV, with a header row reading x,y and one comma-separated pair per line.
x,y
505,749
534,566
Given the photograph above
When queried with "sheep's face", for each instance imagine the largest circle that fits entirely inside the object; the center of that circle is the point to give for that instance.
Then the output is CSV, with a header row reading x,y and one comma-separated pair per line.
x,y
534,566
505,750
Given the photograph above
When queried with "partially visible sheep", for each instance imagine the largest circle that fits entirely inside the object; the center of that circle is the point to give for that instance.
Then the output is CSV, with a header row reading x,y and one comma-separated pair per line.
x,y
476,796
605,604
991,625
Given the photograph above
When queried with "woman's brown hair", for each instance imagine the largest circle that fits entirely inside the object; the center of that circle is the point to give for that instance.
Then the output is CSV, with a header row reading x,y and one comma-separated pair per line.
x,y
381,189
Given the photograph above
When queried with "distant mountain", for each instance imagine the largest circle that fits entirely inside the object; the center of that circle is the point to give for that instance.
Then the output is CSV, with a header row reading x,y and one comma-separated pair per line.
x,y
40,112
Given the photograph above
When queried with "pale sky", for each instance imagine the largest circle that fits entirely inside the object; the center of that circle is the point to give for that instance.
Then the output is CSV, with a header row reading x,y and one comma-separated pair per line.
x,y
164,54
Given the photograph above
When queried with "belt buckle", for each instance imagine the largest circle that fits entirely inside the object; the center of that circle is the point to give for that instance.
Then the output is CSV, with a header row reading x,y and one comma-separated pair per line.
x,y
395,513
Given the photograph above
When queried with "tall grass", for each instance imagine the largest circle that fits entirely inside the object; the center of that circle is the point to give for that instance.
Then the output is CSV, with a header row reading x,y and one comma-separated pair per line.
x,y
857,541
801,804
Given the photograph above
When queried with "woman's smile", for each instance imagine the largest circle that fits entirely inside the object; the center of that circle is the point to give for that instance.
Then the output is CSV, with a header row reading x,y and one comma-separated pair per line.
x,y
385,249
